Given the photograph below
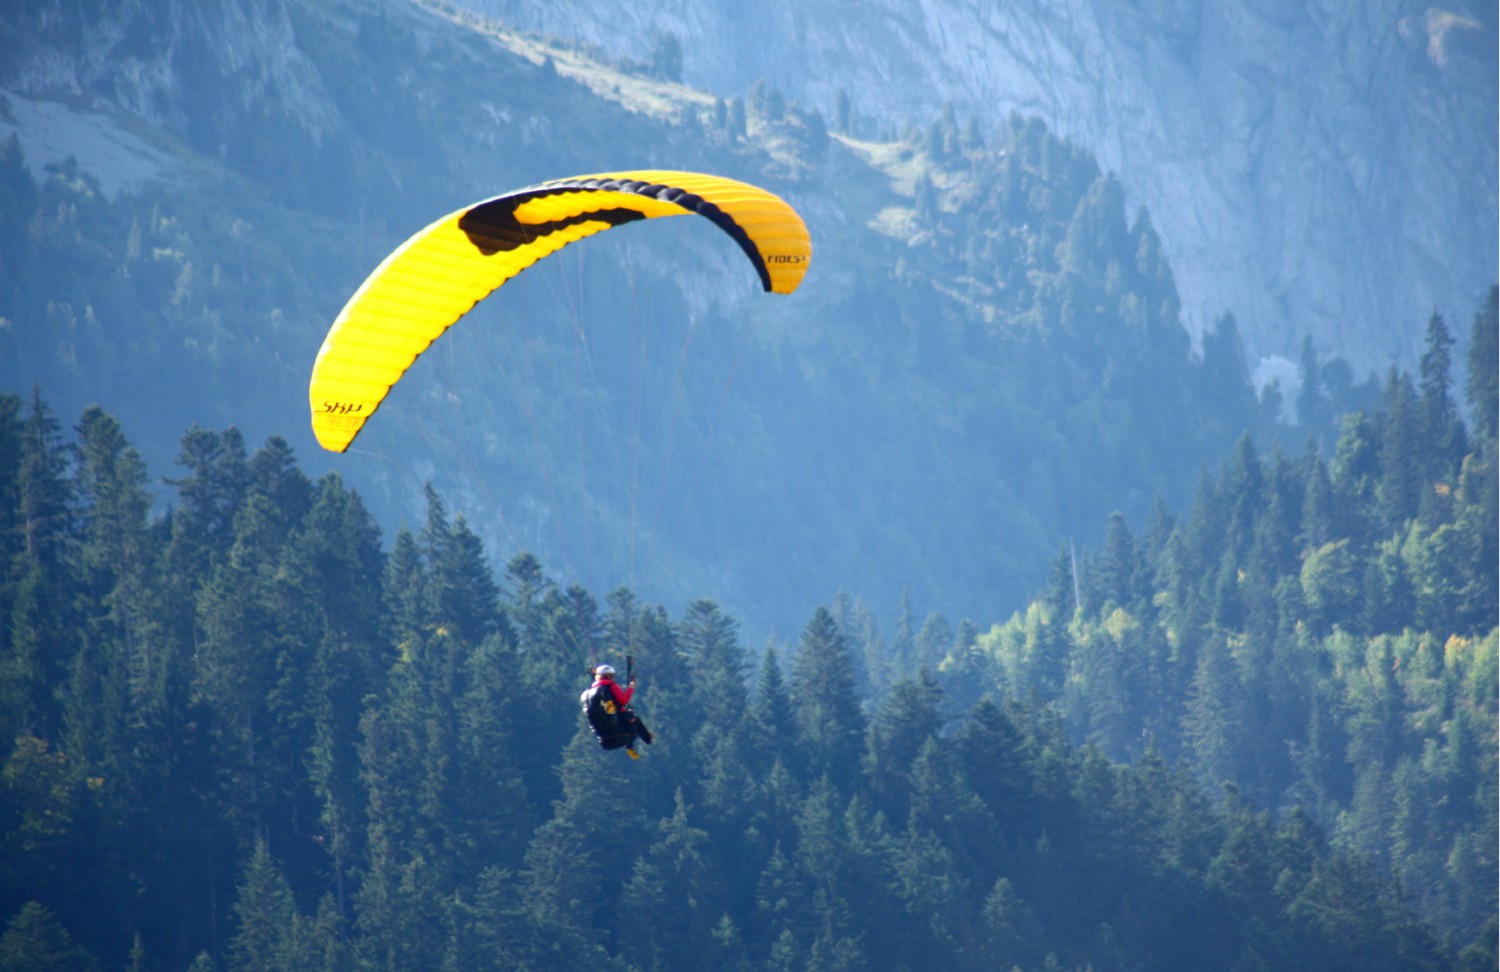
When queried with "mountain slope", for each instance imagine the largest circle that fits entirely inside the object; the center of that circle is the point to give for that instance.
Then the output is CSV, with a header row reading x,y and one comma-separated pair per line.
x,y
987,352
1323,170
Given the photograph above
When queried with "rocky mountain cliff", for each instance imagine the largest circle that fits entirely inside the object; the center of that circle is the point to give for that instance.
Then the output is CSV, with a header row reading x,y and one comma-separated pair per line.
x,y
1319,168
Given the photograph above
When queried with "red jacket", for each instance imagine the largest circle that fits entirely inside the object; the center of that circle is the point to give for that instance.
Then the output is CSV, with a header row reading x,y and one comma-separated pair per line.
x,y
622,695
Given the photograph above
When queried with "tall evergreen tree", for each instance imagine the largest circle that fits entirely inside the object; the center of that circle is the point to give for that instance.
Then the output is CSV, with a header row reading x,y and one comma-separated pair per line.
x,y
991,752
708,640
266,916
903,640
1213,713
211,495
672,901
1483,384
40,639
1402,471
600,813
1319,525
1118,571
831,727
769,724
35,941
117,560
45,494
1011,933
933,641
404,587
1225,370
12,537
909,717
338,554
1313,409
1442,434
461,592
1059,593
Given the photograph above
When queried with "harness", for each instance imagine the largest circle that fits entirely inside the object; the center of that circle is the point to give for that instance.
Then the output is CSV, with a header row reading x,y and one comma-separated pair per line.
x,y
604,715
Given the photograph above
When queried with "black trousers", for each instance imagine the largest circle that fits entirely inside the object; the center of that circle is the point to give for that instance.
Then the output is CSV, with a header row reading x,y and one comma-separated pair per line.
x,y
628,728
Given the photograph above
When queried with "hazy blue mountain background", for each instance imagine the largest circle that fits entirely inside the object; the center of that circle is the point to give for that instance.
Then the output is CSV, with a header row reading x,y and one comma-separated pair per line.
x,y
635,412
1324,170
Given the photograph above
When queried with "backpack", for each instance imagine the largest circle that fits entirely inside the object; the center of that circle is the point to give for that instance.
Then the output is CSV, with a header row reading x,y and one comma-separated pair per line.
x,y
603,713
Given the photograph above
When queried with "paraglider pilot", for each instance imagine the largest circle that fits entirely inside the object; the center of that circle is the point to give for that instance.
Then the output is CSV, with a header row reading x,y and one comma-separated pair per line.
x,y
607,707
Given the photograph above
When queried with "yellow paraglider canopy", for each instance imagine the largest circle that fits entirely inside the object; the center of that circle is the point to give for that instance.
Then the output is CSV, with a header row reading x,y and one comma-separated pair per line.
x,y
438,275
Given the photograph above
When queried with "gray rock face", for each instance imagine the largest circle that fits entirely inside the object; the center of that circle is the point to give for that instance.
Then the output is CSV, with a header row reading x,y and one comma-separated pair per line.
x,y
127,52
1318,168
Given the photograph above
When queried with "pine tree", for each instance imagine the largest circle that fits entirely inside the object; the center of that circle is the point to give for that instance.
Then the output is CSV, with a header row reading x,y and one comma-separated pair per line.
x,y
272,473
933,641
827,859
1059,594
1012,936
405,591
1402,471
265,914
599,811
1442,435
12,537
1319,525
1331,583
45,494
40,810
491,810
846,612
874,662
1192,555
727,778
242,653
933,892
708,641
338,554
506,937
990,750
1225,372
1313,407
678,870
211,495
118,558
830,725
903,641
35,941
770,725
1212,724
1483,385
39,639
461,592
1116,663
782,906
621,623
415,854
1243,486
1118,572
909,717
1228,613
964,674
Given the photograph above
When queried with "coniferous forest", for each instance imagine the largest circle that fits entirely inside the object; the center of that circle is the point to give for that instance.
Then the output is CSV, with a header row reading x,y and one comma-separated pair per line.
x,y
248,732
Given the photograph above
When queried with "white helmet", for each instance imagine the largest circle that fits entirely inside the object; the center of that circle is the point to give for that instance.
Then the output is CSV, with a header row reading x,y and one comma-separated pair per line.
x,y
604,670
